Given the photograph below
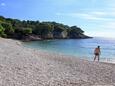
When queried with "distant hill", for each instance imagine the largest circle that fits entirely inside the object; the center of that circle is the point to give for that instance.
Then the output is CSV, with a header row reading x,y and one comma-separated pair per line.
x,y
35,30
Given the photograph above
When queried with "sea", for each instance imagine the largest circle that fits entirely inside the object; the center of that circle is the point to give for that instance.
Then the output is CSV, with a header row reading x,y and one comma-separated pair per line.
x,y
79,48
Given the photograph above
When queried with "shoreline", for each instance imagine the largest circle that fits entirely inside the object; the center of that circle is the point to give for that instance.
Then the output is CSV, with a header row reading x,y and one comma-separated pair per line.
x,y
85,57
21,66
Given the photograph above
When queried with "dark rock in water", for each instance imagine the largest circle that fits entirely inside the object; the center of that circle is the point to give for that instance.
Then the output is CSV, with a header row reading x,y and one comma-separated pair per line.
x,y
57,36
31,38
78,36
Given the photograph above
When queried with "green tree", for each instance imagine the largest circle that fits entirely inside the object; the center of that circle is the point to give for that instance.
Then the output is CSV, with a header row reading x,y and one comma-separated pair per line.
x,y
8,28
77,29
43,29
2,19
26,31
58,29
16,28
23,31
2,34
75,32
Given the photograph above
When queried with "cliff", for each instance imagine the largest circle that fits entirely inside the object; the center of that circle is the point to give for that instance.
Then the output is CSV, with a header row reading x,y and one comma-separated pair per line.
x,y
35,30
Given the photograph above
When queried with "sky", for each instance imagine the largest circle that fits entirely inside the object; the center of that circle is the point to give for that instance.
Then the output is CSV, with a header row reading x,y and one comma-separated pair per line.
x,y
95,17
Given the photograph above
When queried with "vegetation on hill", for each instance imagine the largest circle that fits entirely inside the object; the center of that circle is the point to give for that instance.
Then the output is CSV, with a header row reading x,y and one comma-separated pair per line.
x,y
35,30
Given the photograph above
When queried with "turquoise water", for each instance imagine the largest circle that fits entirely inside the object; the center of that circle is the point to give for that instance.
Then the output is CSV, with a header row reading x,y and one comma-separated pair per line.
x,y
82,48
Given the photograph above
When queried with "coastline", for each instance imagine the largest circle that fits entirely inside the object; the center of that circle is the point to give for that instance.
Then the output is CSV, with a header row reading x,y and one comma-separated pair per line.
x,y
21,66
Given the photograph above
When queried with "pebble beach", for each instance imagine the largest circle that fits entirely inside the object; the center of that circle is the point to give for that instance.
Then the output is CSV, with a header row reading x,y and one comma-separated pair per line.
x,y
21,66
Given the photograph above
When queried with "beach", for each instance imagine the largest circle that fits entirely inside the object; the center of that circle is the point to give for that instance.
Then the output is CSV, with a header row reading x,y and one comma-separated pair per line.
x,y
21,66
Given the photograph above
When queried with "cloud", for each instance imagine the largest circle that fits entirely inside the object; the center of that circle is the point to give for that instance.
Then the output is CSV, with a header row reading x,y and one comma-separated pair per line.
x,y
108,25
91,16
95,15
99,13
3,4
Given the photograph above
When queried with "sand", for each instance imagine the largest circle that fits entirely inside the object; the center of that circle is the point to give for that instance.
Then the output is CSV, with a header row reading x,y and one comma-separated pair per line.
x,y
21,66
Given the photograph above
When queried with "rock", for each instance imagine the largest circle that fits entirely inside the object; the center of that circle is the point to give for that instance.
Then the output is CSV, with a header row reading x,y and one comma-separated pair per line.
x,y
31,38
